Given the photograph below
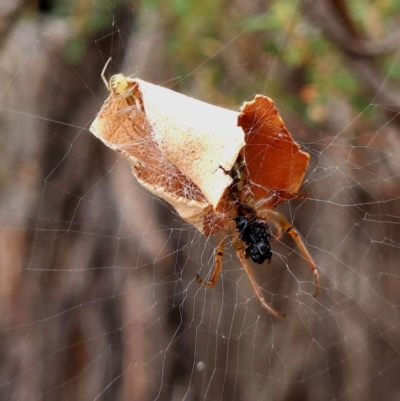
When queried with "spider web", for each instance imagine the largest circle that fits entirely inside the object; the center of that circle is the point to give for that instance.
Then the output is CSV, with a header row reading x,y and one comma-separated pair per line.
x,y
97,276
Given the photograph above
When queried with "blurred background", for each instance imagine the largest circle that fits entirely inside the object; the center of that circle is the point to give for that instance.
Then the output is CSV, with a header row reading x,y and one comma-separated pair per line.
x,y
97,277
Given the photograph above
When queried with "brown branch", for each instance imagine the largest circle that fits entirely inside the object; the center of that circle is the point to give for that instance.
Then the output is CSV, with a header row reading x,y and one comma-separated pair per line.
x,y
360,54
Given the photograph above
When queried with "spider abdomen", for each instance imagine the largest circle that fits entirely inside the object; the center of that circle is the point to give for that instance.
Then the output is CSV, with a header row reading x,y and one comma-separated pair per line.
x,y
257,239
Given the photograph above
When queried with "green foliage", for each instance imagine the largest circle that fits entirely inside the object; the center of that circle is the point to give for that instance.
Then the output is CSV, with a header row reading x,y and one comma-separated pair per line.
x,y
86,18
392,69
74,50
225,54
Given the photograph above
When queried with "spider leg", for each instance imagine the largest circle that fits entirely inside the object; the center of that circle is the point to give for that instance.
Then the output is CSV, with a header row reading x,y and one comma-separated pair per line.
x,y
278,234
103,74
138,105
256,288
130,108
217,268
283,225
133,102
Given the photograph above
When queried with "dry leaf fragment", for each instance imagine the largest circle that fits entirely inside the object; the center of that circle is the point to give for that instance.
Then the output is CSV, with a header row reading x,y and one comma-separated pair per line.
x,y
221,171
181,149
274,161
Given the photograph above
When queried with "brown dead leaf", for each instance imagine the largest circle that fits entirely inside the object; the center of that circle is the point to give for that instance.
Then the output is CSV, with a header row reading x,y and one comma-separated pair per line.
x,y
275,163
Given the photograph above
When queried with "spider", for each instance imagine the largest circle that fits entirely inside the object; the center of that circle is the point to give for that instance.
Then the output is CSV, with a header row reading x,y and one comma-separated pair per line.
x,y
251,237
118,84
